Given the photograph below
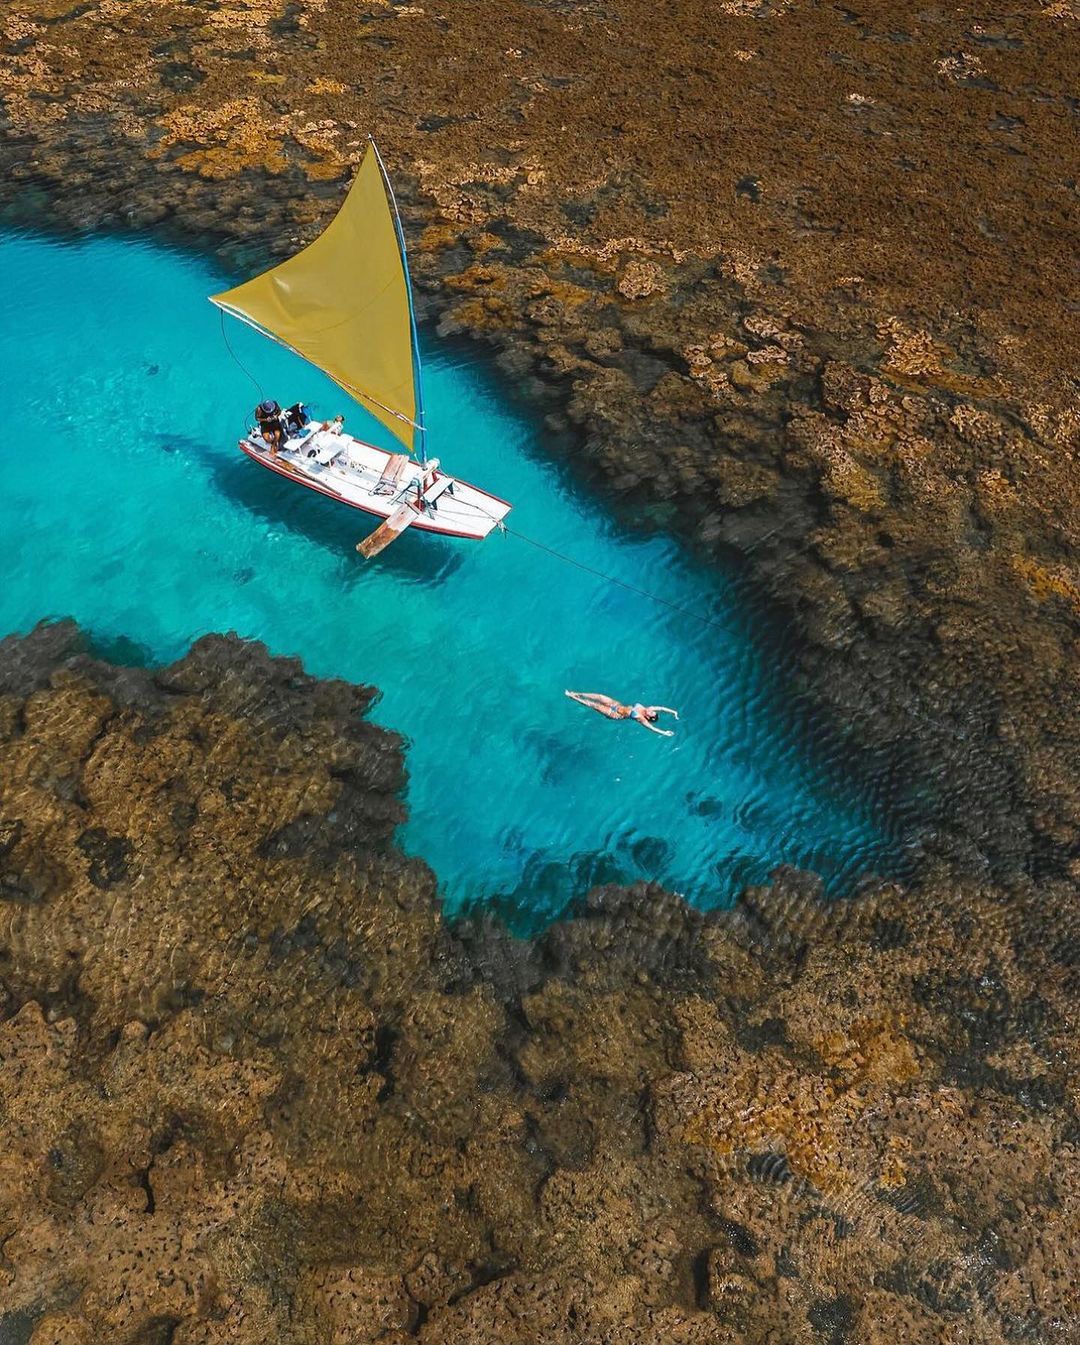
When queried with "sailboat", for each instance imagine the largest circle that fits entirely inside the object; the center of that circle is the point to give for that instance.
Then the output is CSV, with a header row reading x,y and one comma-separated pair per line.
x,y
344,304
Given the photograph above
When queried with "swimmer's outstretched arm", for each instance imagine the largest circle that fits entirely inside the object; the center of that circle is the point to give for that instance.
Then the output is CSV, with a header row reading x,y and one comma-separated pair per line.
x,y
664,733
664,710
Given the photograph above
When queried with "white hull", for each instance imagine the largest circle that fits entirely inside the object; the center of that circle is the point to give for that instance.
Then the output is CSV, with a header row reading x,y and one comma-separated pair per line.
x,y
357,476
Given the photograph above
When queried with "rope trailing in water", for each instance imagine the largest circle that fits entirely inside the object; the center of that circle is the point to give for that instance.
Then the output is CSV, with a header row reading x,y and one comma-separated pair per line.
x,y
611,579
938,721
243,369
542,546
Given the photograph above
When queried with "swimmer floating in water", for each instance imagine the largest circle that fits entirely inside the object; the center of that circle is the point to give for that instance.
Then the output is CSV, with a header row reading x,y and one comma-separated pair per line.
x,y
645,715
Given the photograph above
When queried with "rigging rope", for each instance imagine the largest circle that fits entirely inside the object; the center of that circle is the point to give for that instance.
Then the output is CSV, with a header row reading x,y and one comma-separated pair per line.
x,y
611,579
239,365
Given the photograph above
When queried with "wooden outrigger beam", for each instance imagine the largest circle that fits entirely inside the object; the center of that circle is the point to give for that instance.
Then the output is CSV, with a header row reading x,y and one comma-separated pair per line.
x,y
389,531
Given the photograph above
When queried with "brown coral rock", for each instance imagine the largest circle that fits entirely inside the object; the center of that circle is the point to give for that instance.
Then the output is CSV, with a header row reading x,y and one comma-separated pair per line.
x,y
796,279
253,1088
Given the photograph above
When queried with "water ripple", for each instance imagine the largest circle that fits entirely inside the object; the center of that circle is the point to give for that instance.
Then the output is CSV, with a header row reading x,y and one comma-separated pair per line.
x,y
516,795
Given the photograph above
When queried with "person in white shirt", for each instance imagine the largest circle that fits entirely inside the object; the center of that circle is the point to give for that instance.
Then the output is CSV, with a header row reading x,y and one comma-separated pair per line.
x,y
325,443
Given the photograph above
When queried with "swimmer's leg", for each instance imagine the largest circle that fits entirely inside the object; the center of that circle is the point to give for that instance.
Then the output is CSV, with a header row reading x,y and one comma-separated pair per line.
x,y
594,700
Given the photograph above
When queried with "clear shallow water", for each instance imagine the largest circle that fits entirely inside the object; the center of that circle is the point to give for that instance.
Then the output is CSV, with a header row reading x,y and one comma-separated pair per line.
x,y
126,505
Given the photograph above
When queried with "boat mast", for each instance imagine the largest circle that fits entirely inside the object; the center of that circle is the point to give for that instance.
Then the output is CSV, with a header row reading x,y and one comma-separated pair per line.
x,y
421,434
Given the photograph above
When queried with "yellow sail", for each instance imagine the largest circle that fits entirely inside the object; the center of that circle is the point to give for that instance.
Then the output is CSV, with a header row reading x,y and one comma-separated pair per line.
x,y
343,303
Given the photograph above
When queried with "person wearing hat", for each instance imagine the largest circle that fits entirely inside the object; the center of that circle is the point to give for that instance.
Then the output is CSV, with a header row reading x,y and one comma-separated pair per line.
x,y
268,419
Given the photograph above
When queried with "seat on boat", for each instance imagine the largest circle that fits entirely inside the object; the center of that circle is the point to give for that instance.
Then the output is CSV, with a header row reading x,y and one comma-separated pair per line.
x,y
323,446
438,488
388,483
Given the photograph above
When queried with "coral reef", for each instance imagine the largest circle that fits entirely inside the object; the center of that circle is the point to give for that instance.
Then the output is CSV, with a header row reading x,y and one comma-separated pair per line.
x,y
254,1089
792,279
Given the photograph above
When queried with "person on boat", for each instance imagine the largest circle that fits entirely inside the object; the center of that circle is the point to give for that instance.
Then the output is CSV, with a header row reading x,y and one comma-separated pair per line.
x,y
324,443
645,715
268,419
295,419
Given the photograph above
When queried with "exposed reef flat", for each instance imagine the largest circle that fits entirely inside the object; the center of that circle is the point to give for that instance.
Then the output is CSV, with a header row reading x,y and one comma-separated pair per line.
x,y
796,279
255,1090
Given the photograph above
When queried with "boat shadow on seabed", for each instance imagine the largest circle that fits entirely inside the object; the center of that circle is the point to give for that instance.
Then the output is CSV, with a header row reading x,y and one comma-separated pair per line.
x,y
428,560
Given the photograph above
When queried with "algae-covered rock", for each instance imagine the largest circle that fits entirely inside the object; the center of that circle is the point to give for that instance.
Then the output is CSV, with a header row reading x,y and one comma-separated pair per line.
x,y
791,277
259,1090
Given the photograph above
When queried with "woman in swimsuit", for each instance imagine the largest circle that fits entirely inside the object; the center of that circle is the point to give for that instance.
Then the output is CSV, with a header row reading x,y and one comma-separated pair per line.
x,y
645,715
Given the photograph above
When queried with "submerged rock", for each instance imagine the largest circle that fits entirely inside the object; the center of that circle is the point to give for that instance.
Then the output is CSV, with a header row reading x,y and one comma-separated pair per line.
x,y
259,1090
782,276
830,361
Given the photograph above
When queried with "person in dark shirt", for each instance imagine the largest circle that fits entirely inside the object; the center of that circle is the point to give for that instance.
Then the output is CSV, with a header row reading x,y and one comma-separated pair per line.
x,y
294,419
268,419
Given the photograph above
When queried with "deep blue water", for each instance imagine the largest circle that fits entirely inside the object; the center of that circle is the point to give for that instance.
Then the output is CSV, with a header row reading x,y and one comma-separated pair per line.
x,y
126,505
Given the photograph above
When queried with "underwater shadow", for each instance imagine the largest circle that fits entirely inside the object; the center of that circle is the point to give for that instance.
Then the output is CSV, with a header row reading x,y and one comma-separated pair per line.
x,y
549,890
118,649
414,558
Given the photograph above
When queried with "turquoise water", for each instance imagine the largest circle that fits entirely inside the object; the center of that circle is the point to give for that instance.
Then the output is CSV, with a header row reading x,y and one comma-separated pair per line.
x,y
127,506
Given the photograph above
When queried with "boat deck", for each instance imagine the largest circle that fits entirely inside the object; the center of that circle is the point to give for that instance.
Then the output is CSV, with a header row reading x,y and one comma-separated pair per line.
x,y
357,473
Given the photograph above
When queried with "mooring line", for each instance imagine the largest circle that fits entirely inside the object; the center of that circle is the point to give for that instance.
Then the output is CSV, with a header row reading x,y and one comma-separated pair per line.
x,y
918,713
611,579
